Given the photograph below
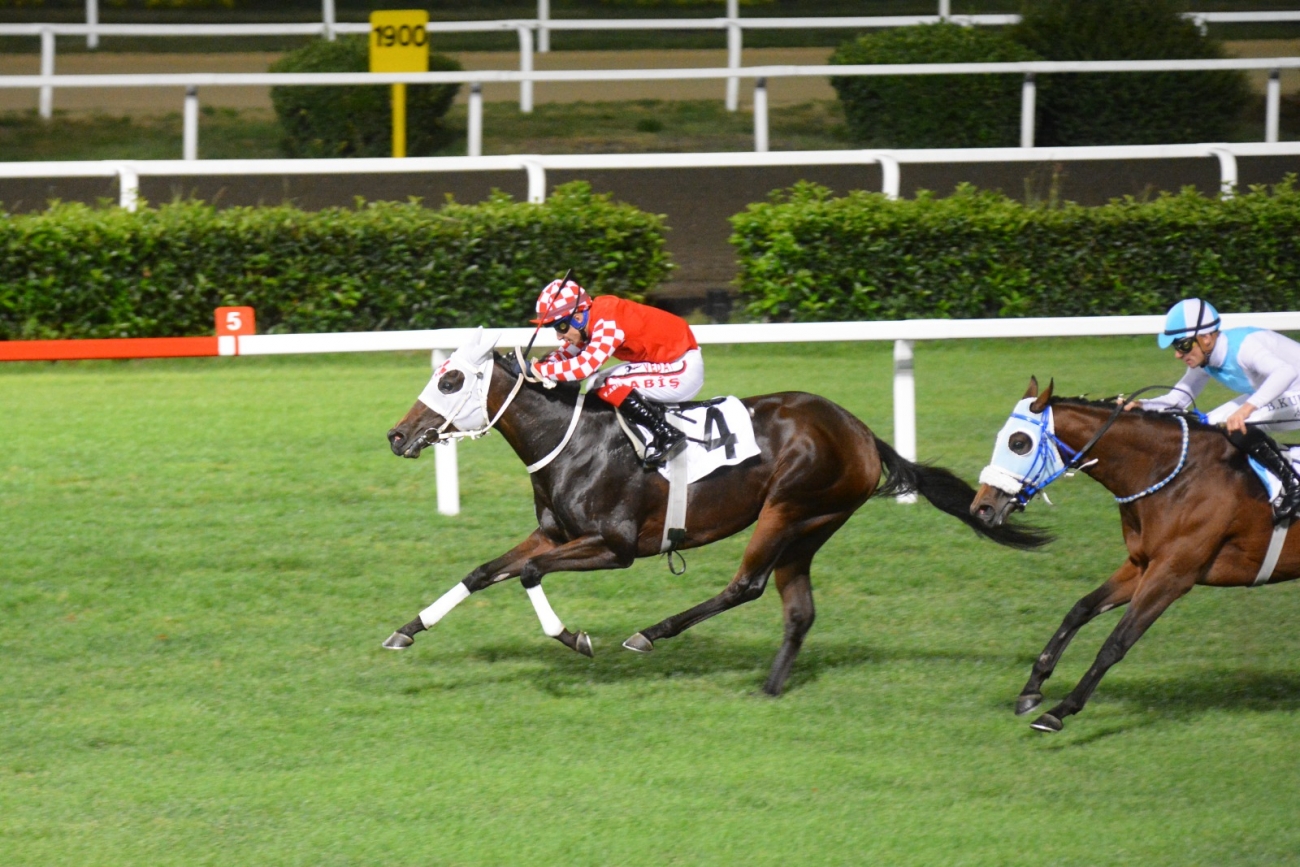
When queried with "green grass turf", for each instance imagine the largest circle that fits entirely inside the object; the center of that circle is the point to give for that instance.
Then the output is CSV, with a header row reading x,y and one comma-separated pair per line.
x,y
201,558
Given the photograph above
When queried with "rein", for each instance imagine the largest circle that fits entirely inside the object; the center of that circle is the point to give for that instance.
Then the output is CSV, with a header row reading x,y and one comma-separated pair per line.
x,y
1029,490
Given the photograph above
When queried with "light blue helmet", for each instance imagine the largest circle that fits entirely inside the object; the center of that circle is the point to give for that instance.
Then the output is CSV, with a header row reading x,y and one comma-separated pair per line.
x,y
1188,317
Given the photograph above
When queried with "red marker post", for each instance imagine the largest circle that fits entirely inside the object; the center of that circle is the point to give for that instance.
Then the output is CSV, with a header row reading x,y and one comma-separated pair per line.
x,y
233,323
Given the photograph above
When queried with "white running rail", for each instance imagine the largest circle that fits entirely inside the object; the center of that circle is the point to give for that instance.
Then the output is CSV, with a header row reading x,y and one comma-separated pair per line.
x,y
1028,70
903,333
543,24
128,173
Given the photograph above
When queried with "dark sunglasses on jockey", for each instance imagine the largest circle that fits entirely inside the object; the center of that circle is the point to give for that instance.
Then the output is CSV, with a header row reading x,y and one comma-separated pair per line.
x,y
563,325
1184,345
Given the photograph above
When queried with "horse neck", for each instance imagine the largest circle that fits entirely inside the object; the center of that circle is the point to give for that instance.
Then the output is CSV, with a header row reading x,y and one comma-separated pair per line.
x,y
1136,451
533,424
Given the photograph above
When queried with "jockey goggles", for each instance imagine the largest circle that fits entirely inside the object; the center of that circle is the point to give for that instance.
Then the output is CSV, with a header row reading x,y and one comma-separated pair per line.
x,y
1184,345
576,319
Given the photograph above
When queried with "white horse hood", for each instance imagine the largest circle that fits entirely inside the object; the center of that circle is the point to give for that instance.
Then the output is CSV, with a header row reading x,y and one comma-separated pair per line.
x,y
464,407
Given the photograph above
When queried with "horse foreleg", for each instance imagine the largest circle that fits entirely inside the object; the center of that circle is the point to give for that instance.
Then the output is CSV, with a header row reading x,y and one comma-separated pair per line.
x,y
586,554
1117,590
506,566
1157,591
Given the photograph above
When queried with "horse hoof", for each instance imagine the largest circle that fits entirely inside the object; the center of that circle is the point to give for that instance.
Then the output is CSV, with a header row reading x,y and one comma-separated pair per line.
x,y
639,643
398,641
1028,703
583,645
1047,723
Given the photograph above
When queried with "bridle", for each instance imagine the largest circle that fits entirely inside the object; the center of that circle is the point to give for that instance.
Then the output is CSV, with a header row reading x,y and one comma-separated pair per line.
x,y
1050,447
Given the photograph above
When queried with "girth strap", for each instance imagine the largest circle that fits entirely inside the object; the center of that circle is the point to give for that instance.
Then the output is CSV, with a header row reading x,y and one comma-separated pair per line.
x,y
1274,552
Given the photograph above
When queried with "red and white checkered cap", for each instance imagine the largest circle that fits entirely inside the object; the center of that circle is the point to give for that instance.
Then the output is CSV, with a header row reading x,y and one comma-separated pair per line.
x,y
557,302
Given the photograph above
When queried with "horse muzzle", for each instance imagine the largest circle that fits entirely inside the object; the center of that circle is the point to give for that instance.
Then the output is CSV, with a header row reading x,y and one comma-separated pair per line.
x,y
405,446
991,506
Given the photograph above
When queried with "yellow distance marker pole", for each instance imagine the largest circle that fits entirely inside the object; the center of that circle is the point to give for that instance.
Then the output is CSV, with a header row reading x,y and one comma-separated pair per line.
x,y
399,120
399,42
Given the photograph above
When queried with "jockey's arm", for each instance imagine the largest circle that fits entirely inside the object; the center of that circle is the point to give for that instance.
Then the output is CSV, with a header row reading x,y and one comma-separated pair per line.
x,y
606,336
1279,374
563,352
1182,394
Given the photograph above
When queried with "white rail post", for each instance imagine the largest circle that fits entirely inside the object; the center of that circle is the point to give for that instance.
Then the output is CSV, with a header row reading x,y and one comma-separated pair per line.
x,y
1028,96
1272,113
734,40
526,65
945,9
890,176
543,32
128,188
904,406
327,18
190,133
92,21
760,116
536,181
1227,171
475,146
46,99
446,469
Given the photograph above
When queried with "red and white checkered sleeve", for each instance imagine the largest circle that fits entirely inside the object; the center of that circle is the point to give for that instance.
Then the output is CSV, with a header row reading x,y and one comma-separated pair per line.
x,y
565,351
606,336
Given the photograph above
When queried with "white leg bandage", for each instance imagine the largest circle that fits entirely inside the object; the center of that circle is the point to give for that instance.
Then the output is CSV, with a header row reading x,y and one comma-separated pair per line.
x,y
551,624
445,603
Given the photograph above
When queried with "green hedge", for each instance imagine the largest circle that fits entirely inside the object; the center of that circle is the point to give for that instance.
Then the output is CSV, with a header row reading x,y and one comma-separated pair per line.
x,y
932,111
324,122
1128,107
76,271
808,257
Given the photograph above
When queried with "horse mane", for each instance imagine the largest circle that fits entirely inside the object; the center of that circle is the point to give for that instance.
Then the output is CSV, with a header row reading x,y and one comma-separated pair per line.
x,y
1108,404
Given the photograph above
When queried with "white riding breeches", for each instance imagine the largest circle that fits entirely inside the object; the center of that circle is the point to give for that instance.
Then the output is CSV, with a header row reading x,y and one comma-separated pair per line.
x,y
1283,413
662,382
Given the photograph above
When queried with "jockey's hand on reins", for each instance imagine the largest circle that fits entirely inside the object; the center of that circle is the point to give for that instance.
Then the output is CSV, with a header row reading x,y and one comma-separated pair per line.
x,y
511,364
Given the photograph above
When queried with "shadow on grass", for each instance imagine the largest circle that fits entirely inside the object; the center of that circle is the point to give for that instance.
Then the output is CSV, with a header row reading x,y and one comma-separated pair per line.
x,y
554,669
1153,701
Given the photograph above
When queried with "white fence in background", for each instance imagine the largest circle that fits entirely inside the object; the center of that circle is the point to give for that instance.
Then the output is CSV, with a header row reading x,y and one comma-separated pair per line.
x,y
535,166
904,335
46,82
544,24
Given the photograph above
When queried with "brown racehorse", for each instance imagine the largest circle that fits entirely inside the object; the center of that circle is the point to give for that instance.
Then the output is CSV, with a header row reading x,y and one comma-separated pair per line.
x,y
598,509
1208,523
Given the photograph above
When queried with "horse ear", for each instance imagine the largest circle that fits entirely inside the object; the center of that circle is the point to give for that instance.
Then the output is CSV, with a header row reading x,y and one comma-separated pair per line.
x,y
1041,403
1032,391
483,345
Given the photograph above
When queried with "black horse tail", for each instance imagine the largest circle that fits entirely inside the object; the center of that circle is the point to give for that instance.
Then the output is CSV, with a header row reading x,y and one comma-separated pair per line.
x,y
948,493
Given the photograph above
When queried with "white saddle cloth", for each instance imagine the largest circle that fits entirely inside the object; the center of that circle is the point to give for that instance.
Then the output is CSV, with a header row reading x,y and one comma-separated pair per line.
x,y
717,436
1271,483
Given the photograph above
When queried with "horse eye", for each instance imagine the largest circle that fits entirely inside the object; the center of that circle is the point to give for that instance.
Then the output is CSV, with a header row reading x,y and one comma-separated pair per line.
x,y
451,382
1020,443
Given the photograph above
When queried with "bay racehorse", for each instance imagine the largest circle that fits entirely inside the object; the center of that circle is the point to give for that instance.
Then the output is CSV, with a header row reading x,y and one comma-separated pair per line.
x,y
598,509
1191,511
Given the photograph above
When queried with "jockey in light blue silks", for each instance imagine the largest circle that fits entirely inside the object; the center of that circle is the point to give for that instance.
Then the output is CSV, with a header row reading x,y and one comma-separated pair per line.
x,y
1262,366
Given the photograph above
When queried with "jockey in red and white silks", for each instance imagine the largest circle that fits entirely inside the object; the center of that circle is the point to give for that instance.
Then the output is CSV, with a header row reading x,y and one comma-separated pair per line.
x,y
663,362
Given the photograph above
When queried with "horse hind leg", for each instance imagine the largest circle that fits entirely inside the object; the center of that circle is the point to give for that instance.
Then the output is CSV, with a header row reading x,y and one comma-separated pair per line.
x,y
795,586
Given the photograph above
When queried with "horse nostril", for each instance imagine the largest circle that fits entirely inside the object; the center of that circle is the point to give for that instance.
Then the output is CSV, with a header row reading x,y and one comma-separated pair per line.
x,y
395,436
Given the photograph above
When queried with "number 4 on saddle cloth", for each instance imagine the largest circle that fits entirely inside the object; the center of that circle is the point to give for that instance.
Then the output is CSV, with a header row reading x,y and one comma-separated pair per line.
x,y
719,432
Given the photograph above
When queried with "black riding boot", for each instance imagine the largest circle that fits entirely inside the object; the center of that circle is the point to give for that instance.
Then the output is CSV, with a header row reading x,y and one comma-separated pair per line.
x,y
666,440
1273,458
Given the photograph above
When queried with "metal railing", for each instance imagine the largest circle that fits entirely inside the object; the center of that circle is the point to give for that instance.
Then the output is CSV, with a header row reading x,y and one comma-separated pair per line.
x,y
128,173
1028,70
542,25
